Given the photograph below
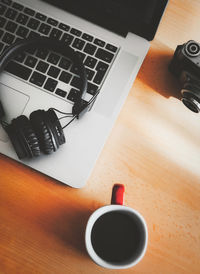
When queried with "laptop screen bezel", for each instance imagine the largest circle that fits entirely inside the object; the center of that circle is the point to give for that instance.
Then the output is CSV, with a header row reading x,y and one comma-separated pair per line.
x,y
143,29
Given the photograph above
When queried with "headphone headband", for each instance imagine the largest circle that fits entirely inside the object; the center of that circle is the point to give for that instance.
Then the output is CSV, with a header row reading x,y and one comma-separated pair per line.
x,y
42,132
55,45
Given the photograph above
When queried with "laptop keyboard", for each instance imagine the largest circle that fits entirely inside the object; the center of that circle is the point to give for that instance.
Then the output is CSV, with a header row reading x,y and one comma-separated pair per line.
x,y
48,70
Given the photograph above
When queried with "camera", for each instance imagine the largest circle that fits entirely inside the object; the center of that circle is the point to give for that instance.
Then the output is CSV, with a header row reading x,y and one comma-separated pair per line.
x,y
185,65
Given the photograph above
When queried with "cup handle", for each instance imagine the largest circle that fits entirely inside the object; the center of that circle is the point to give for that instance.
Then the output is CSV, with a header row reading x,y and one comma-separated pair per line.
x,y
118,194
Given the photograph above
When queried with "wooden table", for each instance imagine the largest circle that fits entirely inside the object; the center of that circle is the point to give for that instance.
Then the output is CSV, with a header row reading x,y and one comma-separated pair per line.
x,y
154,150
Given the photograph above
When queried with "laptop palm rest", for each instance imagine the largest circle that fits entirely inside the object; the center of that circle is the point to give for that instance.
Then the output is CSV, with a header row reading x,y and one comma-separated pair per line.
x,y
14,103
106,104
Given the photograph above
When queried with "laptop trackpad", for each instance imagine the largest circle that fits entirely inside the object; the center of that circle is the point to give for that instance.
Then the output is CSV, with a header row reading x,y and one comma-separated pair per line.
x,y
14,103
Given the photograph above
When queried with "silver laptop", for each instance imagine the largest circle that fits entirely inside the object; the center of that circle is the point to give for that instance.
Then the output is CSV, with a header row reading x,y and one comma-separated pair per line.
x,y
112,38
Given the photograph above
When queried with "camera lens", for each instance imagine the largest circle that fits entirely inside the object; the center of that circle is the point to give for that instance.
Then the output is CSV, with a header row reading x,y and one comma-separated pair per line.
x,y
192,49
192,104
190,100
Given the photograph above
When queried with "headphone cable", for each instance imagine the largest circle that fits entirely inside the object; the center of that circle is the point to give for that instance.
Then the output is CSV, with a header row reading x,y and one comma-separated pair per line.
x,y
75,116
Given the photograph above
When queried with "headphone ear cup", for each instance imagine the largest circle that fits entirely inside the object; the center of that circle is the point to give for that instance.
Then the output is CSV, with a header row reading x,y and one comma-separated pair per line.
x,y
44,131
46,143
23,138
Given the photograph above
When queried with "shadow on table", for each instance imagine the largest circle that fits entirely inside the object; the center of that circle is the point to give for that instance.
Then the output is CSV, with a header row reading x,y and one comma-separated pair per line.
x,y
155,74
55,214
66,221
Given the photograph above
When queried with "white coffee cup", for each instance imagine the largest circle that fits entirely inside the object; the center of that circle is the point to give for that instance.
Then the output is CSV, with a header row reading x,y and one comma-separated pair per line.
x,y
116,235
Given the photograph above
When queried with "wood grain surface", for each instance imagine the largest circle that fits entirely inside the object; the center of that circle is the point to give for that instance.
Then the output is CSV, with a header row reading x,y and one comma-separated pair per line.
x,y
153,149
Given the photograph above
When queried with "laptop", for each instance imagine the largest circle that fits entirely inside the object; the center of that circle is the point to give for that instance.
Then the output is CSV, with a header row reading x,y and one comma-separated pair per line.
x,y
112,38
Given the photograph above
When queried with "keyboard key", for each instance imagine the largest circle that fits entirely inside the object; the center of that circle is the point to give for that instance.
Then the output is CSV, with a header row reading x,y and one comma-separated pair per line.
x,y
53,72
8,38
76,82
33,34
40,16
50,84
7,2
2,9
11,14
101,66
20,57
92,89
22,32
42,66
101,71
90,73
98,77
64,27
53,58
65,77
2,22
73,95
67,38
81,55
18,70
42,53
99,42
11,26
64,63
33,23
37,78
74,69
90,49
90,62
44,29
87,37
78,44
104,55
17,6
52,22
61,92
55,33
111,47
22,19
29,11
31,61
76,32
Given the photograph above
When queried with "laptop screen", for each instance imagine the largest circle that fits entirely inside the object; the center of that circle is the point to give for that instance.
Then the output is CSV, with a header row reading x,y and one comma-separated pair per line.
x,y
121,16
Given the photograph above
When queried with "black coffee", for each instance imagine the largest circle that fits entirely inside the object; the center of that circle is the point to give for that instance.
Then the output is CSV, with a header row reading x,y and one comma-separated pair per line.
x,y
117,237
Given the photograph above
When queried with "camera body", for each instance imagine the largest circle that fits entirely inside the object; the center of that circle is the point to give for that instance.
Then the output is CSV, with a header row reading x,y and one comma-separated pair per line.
x,y
185,65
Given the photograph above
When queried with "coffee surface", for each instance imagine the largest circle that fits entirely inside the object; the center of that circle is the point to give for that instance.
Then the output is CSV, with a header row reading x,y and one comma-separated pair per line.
x,y
116,237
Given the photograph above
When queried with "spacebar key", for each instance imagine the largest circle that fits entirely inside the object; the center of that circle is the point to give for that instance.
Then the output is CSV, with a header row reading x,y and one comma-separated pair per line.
x,y
18,70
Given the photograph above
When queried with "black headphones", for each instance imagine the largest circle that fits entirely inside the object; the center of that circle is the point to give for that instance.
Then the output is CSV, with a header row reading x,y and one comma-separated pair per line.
x,y
42,132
